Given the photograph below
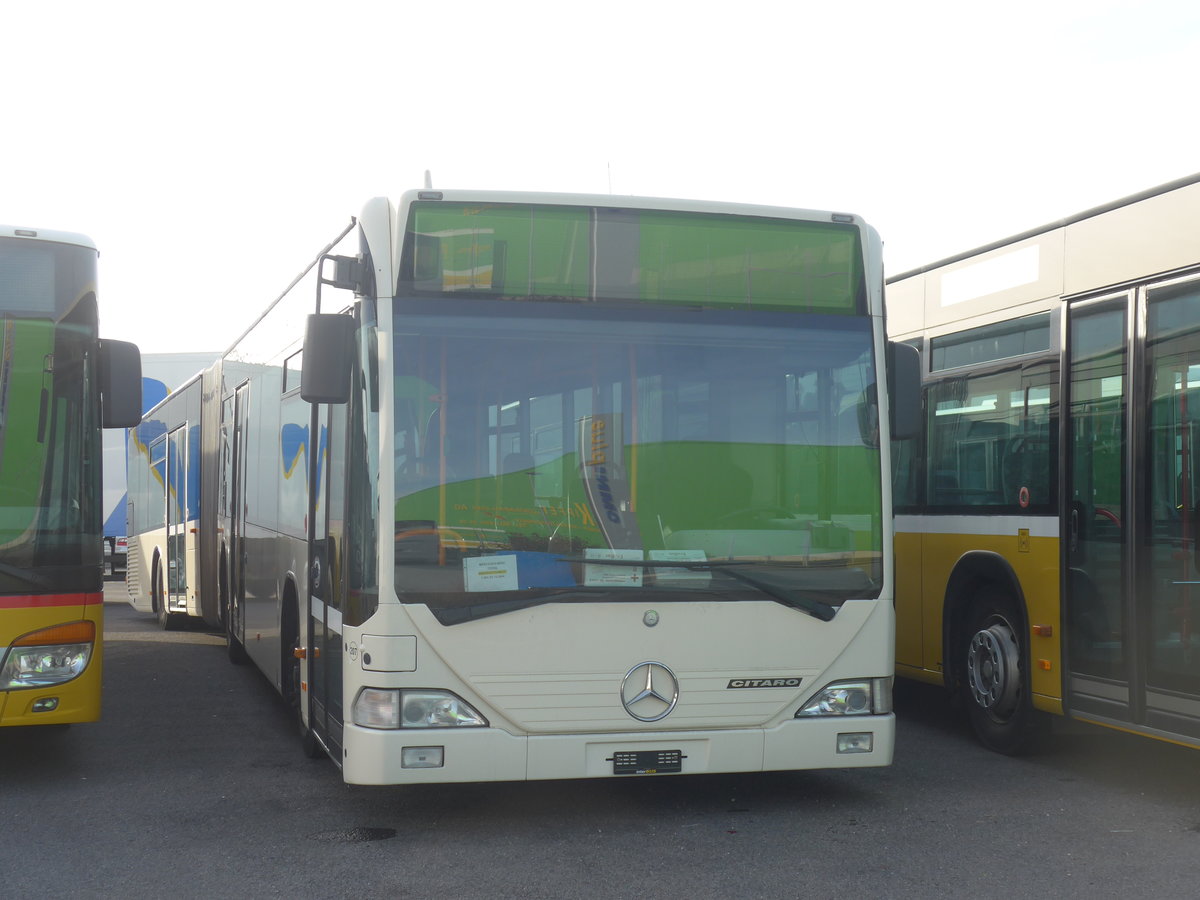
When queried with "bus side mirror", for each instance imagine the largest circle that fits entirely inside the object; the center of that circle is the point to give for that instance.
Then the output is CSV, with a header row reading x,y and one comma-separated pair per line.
x,y
904,385
120,373
328,358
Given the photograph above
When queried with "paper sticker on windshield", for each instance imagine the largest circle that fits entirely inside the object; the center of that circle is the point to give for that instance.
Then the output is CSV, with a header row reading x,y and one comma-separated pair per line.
x,y
680,575
612,576
490,573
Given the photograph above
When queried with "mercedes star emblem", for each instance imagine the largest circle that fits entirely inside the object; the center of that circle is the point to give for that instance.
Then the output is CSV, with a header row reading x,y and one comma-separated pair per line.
x,y
649,691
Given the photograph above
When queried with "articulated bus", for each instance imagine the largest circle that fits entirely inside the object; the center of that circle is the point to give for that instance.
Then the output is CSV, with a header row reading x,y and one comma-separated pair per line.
x,y
163,572
1046,528
59,385
162,373
527,486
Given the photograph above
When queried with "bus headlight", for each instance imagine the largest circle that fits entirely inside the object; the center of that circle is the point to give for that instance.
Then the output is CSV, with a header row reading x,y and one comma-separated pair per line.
x,y
864,697
48,657
390,708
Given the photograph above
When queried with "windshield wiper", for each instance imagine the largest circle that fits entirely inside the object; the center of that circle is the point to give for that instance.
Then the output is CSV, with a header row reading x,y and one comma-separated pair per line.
x,y
730,568
818,608
456,615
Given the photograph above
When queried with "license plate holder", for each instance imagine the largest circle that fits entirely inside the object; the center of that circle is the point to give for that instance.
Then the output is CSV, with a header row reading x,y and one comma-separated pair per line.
x,y
647,762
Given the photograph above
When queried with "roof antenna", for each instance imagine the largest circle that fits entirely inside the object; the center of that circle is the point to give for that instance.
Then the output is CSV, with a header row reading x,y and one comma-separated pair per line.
x,y
428,179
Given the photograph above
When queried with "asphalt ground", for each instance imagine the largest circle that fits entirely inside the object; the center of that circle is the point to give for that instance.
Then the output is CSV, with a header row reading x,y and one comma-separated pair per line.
x,y
194,785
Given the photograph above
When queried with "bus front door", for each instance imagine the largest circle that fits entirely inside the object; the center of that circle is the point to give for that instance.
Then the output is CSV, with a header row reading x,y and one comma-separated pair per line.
x,y
237,519
177,504
1168,613
1133,532
1096,565
326,588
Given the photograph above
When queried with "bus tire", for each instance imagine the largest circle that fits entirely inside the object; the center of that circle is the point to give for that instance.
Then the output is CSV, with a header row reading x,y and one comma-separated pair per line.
x,y
994,655
234,649
292,688
167,620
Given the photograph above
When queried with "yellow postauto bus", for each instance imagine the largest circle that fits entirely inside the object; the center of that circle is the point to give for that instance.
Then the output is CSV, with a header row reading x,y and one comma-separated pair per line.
x,y
59,384
1046,527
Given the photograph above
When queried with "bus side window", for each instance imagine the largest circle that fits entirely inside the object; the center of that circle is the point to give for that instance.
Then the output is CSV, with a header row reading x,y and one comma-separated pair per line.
x,y
990,439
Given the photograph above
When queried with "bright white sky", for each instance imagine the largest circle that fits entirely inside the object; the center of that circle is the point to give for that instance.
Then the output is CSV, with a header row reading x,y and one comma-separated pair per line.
x,y
212,149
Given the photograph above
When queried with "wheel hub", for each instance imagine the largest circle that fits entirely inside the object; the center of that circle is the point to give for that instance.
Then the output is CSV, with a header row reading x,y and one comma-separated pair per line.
x,y
993,669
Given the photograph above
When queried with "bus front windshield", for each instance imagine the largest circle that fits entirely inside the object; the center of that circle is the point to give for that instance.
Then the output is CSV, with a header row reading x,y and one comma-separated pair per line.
x,y
49,458
552,452
49,426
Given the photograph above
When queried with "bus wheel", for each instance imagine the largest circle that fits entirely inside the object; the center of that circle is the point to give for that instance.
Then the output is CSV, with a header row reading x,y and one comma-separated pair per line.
x,y
234,648
167,621
293,688
995,677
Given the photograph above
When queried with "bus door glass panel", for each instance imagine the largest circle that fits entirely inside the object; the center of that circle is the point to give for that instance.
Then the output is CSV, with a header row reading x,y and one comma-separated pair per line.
x,y
158,470
358,521
237,518
1095,509
177,525
326,586
1170,596
157,510
226,484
